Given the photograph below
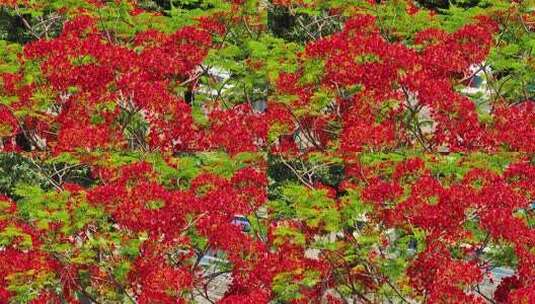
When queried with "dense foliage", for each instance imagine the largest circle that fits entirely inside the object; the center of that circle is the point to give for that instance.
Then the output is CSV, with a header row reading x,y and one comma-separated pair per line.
x,y
253,151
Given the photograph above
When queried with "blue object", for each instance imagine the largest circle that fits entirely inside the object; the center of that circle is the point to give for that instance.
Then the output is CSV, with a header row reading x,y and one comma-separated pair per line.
x,y
500,273
242,222
476,81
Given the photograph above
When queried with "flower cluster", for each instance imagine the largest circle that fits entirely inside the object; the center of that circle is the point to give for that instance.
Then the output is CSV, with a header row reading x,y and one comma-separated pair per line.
x,y
366,174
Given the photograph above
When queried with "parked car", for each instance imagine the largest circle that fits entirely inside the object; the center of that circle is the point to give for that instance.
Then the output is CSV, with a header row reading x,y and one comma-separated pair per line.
x,y
217,258
243,222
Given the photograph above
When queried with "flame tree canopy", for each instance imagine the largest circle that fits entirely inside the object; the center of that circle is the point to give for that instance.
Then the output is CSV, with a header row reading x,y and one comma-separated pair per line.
x,y
377,151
